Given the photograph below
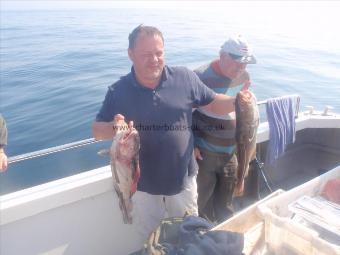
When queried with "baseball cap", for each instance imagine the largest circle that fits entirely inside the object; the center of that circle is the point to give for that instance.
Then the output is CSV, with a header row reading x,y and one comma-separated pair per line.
x,y
238,49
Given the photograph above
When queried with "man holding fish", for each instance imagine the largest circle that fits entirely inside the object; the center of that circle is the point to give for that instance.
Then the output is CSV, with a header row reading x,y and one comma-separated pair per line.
x,y
215,134
158,100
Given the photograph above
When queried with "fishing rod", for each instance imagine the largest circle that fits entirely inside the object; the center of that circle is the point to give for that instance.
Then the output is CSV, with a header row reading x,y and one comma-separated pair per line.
x,y
260,166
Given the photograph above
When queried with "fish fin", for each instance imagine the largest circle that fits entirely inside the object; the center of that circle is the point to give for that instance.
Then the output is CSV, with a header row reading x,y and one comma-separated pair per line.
x,y
135,177
242,162
104,152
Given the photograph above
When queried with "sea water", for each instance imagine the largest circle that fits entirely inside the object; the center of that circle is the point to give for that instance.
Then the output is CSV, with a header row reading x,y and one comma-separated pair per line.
x,y
56,65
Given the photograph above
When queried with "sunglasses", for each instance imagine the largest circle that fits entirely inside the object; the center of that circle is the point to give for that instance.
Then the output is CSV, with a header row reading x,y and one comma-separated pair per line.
x,y
241,59
235,57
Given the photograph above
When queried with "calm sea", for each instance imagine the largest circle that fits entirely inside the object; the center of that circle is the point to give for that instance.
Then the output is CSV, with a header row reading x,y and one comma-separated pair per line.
x,y
56,67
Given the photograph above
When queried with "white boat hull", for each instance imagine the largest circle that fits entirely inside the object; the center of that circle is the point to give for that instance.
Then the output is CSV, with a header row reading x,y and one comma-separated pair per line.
x,y
80,214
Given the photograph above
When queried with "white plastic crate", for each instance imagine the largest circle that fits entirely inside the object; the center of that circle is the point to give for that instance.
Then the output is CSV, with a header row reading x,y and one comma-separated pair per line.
x,y
249,223
285,236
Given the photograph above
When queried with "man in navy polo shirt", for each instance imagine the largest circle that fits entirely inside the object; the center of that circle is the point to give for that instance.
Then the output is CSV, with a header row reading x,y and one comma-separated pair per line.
x,y
159,100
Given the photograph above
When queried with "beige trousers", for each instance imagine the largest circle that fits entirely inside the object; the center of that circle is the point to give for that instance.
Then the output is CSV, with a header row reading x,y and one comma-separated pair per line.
x,y
149,210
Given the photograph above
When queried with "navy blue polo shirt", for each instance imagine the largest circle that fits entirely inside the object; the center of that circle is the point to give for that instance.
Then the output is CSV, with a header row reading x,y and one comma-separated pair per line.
x,y
163,118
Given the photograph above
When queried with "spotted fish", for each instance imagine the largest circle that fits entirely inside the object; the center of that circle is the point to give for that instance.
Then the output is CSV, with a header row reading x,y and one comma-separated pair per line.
x,y
125,169
247,122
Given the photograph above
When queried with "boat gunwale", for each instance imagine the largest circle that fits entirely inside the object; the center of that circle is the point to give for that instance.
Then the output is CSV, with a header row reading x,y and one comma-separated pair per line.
x,y
31,201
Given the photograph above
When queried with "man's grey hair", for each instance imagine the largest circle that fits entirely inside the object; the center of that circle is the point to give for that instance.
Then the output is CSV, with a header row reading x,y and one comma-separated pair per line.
x,y
141,29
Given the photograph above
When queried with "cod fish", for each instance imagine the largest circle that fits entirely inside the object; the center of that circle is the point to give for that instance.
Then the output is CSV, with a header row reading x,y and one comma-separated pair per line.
x,y
124,153
247,122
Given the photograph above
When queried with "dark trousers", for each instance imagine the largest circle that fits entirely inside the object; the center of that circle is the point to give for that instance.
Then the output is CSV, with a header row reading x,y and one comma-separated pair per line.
x,y
215,184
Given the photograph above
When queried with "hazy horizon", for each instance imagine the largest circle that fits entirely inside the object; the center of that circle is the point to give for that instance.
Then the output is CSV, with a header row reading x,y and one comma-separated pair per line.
x,y
256,7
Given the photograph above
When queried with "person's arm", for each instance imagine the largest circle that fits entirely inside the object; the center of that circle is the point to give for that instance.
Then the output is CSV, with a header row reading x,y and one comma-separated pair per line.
x,y
210,101
3,159
107,130
222,104
225,105
3,142
103,126
103,130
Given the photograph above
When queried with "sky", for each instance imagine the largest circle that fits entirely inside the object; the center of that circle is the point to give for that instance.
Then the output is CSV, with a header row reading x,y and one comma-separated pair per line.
x,y
30,5
261,7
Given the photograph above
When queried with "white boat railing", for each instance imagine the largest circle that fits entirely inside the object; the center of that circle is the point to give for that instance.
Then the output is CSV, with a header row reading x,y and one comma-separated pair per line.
x,y
297,102
51,150
88,141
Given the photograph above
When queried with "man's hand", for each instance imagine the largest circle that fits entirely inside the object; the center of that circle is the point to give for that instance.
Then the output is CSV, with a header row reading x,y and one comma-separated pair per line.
x,y
119,124
3,161
239,189
246,85
107,130
197,154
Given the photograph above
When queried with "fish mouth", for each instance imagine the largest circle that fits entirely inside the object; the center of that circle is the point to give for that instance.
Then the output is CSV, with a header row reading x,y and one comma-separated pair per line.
x,y
245,97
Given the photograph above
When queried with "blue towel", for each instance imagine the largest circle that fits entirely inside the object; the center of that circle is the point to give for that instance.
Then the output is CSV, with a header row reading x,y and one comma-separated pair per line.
x,y
281,120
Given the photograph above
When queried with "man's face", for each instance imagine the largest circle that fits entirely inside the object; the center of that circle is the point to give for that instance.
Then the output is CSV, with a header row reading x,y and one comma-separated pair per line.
x,y
230,67
148,58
